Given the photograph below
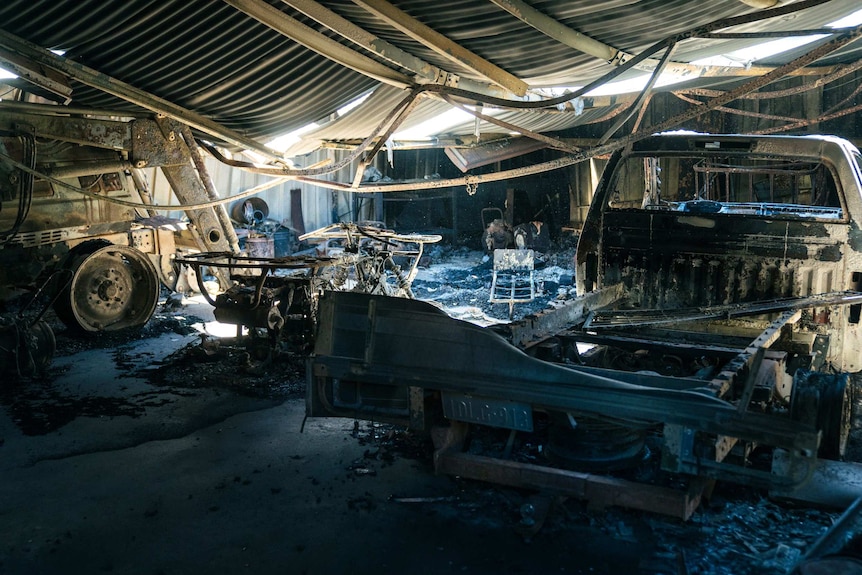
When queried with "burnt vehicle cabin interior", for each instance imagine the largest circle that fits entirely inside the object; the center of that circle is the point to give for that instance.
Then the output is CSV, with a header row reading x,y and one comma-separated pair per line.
x,y
692,221
684,256
698,222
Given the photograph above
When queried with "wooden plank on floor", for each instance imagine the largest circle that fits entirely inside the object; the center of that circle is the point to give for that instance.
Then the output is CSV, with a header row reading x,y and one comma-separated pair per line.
x,y
597,490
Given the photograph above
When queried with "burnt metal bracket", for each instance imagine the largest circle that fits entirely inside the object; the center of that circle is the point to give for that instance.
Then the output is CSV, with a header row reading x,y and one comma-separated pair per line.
x,y
535,328
601,319
99,133
681,454
819,350
598,490
750,360
416,396
369,332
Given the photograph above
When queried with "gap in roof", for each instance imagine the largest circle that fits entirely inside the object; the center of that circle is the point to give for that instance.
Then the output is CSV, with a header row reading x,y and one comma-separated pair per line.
x,y
428,129
746,56
854,19
282,143
738,58
7,75
352,104
436,125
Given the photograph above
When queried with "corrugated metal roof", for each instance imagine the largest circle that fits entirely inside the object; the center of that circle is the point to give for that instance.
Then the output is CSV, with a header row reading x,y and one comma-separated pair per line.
x,y
202,55
209,57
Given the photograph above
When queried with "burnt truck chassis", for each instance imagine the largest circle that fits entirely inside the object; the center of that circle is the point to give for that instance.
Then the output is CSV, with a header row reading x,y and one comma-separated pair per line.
x,y
715,337
408,362
79,226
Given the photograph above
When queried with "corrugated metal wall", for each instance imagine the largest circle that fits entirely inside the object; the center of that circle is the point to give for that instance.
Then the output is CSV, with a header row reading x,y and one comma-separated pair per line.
x,y
320,206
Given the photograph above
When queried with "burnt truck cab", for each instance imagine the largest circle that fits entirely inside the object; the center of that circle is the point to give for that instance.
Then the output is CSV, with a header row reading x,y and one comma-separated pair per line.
x,y
687,220
715,334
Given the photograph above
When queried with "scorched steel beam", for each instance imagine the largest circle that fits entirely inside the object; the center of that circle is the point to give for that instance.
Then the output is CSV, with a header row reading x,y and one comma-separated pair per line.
x,y
317,42
425,71
443,45
592,47
98,80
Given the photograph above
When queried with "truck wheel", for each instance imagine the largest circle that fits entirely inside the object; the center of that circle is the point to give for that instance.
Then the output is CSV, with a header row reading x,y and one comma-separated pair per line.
x,y
111,288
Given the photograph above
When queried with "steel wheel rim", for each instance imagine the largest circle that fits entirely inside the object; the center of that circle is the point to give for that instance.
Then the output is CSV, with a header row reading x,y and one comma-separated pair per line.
x,y
113,288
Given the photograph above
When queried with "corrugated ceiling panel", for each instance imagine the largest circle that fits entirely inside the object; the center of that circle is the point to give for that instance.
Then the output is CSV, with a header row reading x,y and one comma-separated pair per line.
x,y
207,56
200,54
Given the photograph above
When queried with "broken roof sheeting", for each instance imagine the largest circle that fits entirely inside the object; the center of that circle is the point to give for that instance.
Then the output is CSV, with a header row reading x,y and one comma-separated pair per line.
x,y
365,118
628,25
213,59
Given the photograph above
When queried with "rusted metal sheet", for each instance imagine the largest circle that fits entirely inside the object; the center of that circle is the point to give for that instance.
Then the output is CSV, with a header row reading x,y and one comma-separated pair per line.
x,y
155,144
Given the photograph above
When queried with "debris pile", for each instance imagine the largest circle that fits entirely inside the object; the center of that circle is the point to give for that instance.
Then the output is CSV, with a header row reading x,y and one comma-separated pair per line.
x,y
736,531
227,363
459,281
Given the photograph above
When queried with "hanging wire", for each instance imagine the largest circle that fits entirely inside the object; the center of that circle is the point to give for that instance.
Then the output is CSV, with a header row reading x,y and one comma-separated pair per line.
x,y
25,186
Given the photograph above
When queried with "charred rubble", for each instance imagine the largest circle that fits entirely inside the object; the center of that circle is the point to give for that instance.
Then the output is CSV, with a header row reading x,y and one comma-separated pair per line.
x,y
708,336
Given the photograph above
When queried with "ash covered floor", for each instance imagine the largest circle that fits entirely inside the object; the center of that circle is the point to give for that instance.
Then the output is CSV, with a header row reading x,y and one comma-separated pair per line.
x,y
155,453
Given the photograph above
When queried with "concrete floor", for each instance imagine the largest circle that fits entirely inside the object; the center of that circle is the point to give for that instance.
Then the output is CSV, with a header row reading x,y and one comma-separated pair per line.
x,y
107,470
135,478
252,494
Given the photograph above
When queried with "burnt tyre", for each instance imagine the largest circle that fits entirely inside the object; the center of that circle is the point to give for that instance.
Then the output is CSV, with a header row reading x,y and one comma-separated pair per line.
x,y
111,288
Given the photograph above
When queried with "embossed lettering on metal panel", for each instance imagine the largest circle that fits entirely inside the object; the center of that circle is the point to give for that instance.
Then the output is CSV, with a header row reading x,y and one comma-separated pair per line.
x,y
485,411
